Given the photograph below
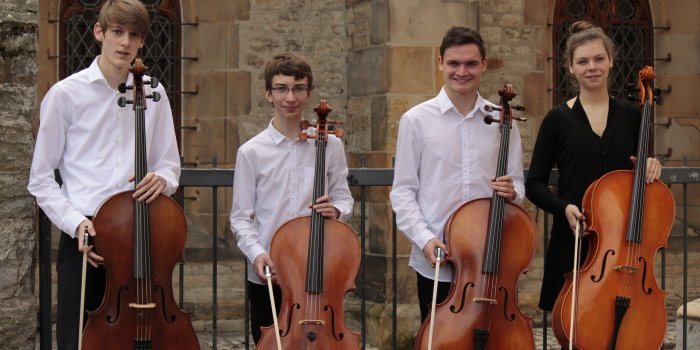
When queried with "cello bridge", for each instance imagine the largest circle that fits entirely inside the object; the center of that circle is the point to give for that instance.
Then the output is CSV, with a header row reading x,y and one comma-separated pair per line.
x,y
485,301
142,306
307,322
626,268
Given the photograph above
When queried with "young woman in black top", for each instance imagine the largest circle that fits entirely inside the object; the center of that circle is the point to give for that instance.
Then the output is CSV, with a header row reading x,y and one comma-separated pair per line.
x,y
585,137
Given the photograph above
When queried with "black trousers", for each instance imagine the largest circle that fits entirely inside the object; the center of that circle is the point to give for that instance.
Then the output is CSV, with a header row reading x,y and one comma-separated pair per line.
x,y
425,294
69,266
260,308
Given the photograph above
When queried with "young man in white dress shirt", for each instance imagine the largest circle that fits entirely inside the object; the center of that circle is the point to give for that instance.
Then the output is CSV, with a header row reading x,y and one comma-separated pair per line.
x,y
274,178
90,139
446,156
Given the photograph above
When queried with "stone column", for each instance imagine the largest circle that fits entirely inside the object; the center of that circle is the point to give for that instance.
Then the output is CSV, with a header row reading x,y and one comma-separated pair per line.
x,y
18,48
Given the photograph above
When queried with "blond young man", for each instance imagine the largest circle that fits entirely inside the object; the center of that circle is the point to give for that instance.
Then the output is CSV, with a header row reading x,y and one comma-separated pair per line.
x,y
86,136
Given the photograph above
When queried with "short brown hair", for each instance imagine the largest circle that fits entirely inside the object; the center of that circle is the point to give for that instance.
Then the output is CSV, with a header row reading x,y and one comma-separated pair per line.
x,y
289,64
129,13
457,36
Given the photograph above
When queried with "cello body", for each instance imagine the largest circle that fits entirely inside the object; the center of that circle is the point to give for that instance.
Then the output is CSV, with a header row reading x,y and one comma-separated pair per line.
x,y
458,317
607,206
341,260
113,324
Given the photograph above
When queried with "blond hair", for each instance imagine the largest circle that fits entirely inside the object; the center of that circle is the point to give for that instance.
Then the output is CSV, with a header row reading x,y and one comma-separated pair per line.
x,y
128,13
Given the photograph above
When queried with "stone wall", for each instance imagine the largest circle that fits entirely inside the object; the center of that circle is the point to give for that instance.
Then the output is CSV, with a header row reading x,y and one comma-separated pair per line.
x,y
18,43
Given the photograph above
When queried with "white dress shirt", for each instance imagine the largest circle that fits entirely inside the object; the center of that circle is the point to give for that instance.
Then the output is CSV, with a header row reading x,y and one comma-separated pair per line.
x,y
443,160
274,183
90,139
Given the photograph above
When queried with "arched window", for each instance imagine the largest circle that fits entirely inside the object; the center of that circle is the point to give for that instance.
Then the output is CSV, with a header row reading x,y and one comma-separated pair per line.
x,y
161,52
627,22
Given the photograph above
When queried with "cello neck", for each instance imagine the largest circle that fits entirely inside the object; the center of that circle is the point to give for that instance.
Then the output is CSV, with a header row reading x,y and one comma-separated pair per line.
x,y
634,224
495,224
314,268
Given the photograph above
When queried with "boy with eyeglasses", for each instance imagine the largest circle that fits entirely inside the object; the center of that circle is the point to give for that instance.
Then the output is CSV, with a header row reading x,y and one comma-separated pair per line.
x,y
274,179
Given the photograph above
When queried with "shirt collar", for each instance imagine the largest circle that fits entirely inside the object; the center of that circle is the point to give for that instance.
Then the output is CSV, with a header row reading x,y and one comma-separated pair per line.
x,y
445,104
278,137
95,74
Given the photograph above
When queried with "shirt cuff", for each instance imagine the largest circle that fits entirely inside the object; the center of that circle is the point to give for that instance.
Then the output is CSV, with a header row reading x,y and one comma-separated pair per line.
x,y
254,253
423,238
70,225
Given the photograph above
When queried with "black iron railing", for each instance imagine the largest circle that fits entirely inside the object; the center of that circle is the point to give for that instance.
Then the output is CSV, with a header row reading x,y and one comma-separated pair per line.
x,y
364,178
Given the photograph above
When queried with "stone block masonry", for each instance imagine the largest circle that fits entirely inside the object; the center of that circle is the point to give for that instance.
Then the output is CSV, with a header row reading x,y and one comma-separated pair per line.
x,y
18,42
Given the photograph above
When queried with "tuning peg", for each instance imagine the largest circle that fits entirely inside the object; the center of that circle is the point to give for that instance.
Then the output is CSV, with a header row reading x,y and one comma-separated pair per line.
x,y
153,82
522,119
155,96
658,99
489,119
490,108
338,132
123,101
304,136
518,108
304,124
123,87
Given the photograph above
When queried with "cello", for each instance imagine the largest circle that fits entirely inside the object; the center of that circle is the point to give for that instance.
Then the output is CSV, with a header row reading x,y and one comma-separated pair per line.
x,y
317,259
491,243
619,304
140,244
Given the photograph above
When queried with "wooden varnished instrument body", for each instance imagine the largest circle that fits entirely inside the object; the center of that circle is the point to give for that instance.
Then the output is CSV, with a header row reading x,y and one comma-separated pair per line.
x,y
141,244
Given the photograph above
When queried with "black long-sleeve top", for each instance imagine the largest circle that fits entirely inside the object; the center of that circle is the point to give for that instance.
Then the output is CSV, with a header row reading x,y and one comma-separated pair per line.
x,y
567,140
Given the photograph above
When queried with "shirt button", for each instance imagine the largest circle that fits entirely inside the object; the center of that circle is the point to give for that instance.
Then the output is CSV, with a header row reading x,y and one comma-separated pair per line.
x,y
117,163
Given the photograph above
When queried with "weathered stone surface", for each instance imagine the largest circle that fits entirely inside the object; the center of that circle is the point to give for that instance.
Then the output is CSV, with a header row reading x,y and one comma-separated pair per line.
x,y
367,72
18,42
421,22
417,60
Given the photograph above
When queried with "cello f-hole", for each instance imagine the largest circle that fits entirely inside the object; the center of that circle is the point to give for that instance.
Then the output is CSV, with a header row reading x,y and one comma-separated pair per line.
x,y
505,305
289,319
172,317
602,267
119,300
644,276
340,335
464,296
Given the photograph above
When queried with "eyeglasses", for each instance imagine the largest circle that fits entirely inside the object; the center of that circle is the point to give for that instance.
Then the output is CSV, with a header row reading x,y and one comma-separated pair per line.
x,y
283,90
